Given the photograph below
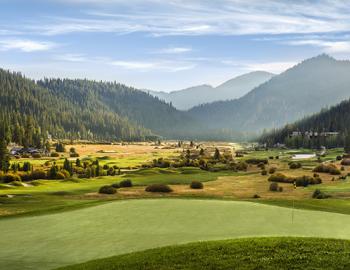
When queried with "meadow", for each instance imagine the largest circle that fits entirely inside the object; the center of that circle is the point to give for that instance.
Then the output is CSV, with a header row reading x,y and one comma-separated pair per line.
x,y
54,223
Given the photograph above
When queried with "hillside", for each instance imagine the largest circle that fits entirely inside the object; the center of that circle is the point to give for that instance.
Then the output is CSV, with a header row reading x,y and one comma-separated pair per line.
x,y
81,109
137,106
335,119
232,89
302,90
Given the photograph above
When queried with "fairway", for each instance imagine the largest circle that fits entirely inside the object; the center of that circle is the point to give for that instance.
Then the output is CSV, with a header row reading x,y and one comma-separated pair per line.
x,y
46,242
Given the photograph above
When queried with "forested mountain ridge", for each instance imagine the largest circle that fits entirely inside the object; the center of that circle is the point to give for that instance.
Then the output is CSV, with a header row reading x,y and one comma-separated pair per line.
x,y
135,105
335,119
299,91
187,98
29,112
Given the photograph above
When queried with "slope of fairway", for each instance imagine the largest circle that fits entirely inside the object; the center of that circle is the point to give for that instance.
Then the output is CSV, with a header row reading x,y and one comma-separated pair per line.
x,y
254,253
49,241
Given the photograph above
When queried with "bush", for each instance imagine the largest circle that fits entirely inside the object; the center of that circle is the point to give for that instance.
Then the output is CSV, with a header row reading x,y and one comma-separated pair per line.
x,y
36,155
74,154
294,165
263,172
196,185
331,169
342,168
125,183
318,194
107,190
116,185
11,177
256,196
271,157
279,177
242,166
339,158
345,162
257,161
25,176
274,187
272,170
280,189
158,188
54,154
38,174
60,176
25,156
65,173
17,184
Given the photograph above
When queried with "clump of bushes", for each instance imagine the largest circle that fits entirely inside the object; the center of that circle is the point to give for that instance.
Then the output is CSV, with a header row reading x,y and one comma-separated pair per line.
x,y
256,196
36,155
330,168
274,187
38,174
294,165
263,172
272,170
256,161
318,194
54,154
339,158
279,177
345,162
10,177
107,190
196,185
125,183
158,188
116,185
304,181
242,166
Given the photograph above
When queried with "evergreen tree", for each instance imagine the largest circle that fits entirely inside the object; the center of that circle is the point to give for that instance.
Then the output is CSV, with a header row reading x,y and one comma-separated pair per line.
x,y
217,154
4,156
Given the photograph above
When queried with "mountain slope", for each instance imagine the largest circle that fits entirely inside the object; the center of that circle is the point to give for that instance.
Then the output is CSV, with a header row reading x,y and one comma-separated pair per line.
x,y
28,111
334,119
304,89
234,88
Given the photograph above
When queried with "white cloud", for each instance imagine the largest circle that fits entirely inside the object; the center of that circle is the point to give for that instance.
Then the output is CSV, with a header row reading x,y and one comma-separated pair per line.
x,y
71,57
174,50
192,17
273,67
25,45
167,66
329,46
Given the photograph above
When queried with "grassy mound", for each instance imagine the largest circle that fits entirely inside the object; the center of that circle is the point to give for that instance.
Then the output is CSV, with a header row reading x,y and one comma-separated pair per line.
x,y
255,253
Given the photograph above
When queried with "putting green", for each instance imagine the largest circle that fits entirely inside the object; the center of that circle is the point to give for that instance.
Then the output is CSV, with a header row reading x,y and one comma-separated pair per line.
x,y
46,242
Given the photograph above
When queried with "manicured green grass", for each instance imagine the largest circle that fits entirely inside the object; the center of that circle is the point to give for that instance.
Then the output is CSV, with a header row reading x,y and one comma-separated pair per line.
x,y
329,205
170,176
48,241
254,253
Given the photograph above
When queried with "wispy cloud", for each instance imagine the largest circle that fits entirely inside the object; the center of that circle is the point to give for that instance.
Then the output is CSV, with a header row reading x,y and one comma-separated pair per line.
x,y
71,57
144,66
191,17
329,46
26,45
273,67
174,50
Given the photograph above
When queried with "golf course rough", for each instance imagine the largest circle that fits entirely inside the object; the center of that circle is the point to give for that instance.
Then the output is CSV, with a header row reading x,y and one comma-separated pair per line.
x,y
55,240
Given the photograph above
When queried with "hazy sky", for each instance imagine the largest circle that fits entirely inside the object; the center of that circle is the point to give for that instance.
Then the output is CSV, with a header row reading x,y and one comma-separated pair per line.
x,y
167,44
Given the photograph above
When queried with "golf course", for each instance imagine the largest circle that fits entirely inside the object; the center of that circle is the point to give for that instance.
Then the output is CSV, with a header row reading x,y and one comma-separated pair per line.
x,y
71,237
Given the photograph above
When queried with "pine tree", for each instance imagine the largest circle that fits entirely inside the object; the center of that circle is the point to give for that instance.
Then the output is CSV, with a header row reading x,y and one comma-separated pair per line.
x,y
4,156
347,143
217,154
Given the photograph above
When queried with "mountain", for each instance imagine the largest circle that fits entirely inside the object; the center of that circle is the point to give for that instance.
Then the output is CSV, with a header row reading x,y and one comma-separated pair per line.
x,y
335,119
299,91
232,89
82,109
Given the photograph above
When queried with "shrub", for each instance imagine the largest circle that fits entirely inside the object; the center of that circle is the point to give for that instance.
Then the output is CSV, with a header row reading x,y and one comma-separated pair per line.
x,y
339,158
294,165
331,169
242,166
196,185
256,196
342,168
116,185
25,176
74,154
158,188
263,172
256,161
274,187
38,174
261,166
36,155
54,154
279,177
318,194
11,177
25,156
107,190
305,180
277,157
271,157
316,175
60,176
280,189
125,183
345,162
105,167
65,173
272,170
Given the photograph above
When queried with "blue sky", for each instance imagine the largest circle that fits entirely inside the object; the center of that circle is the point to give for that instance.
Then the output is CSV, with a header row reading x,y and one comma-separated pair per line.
x,y
167,44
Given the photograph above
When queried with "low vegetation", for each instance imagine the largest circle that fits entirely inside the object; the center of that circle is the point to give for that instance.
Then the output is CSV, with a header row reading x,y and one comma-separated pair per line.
x,y
158,188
